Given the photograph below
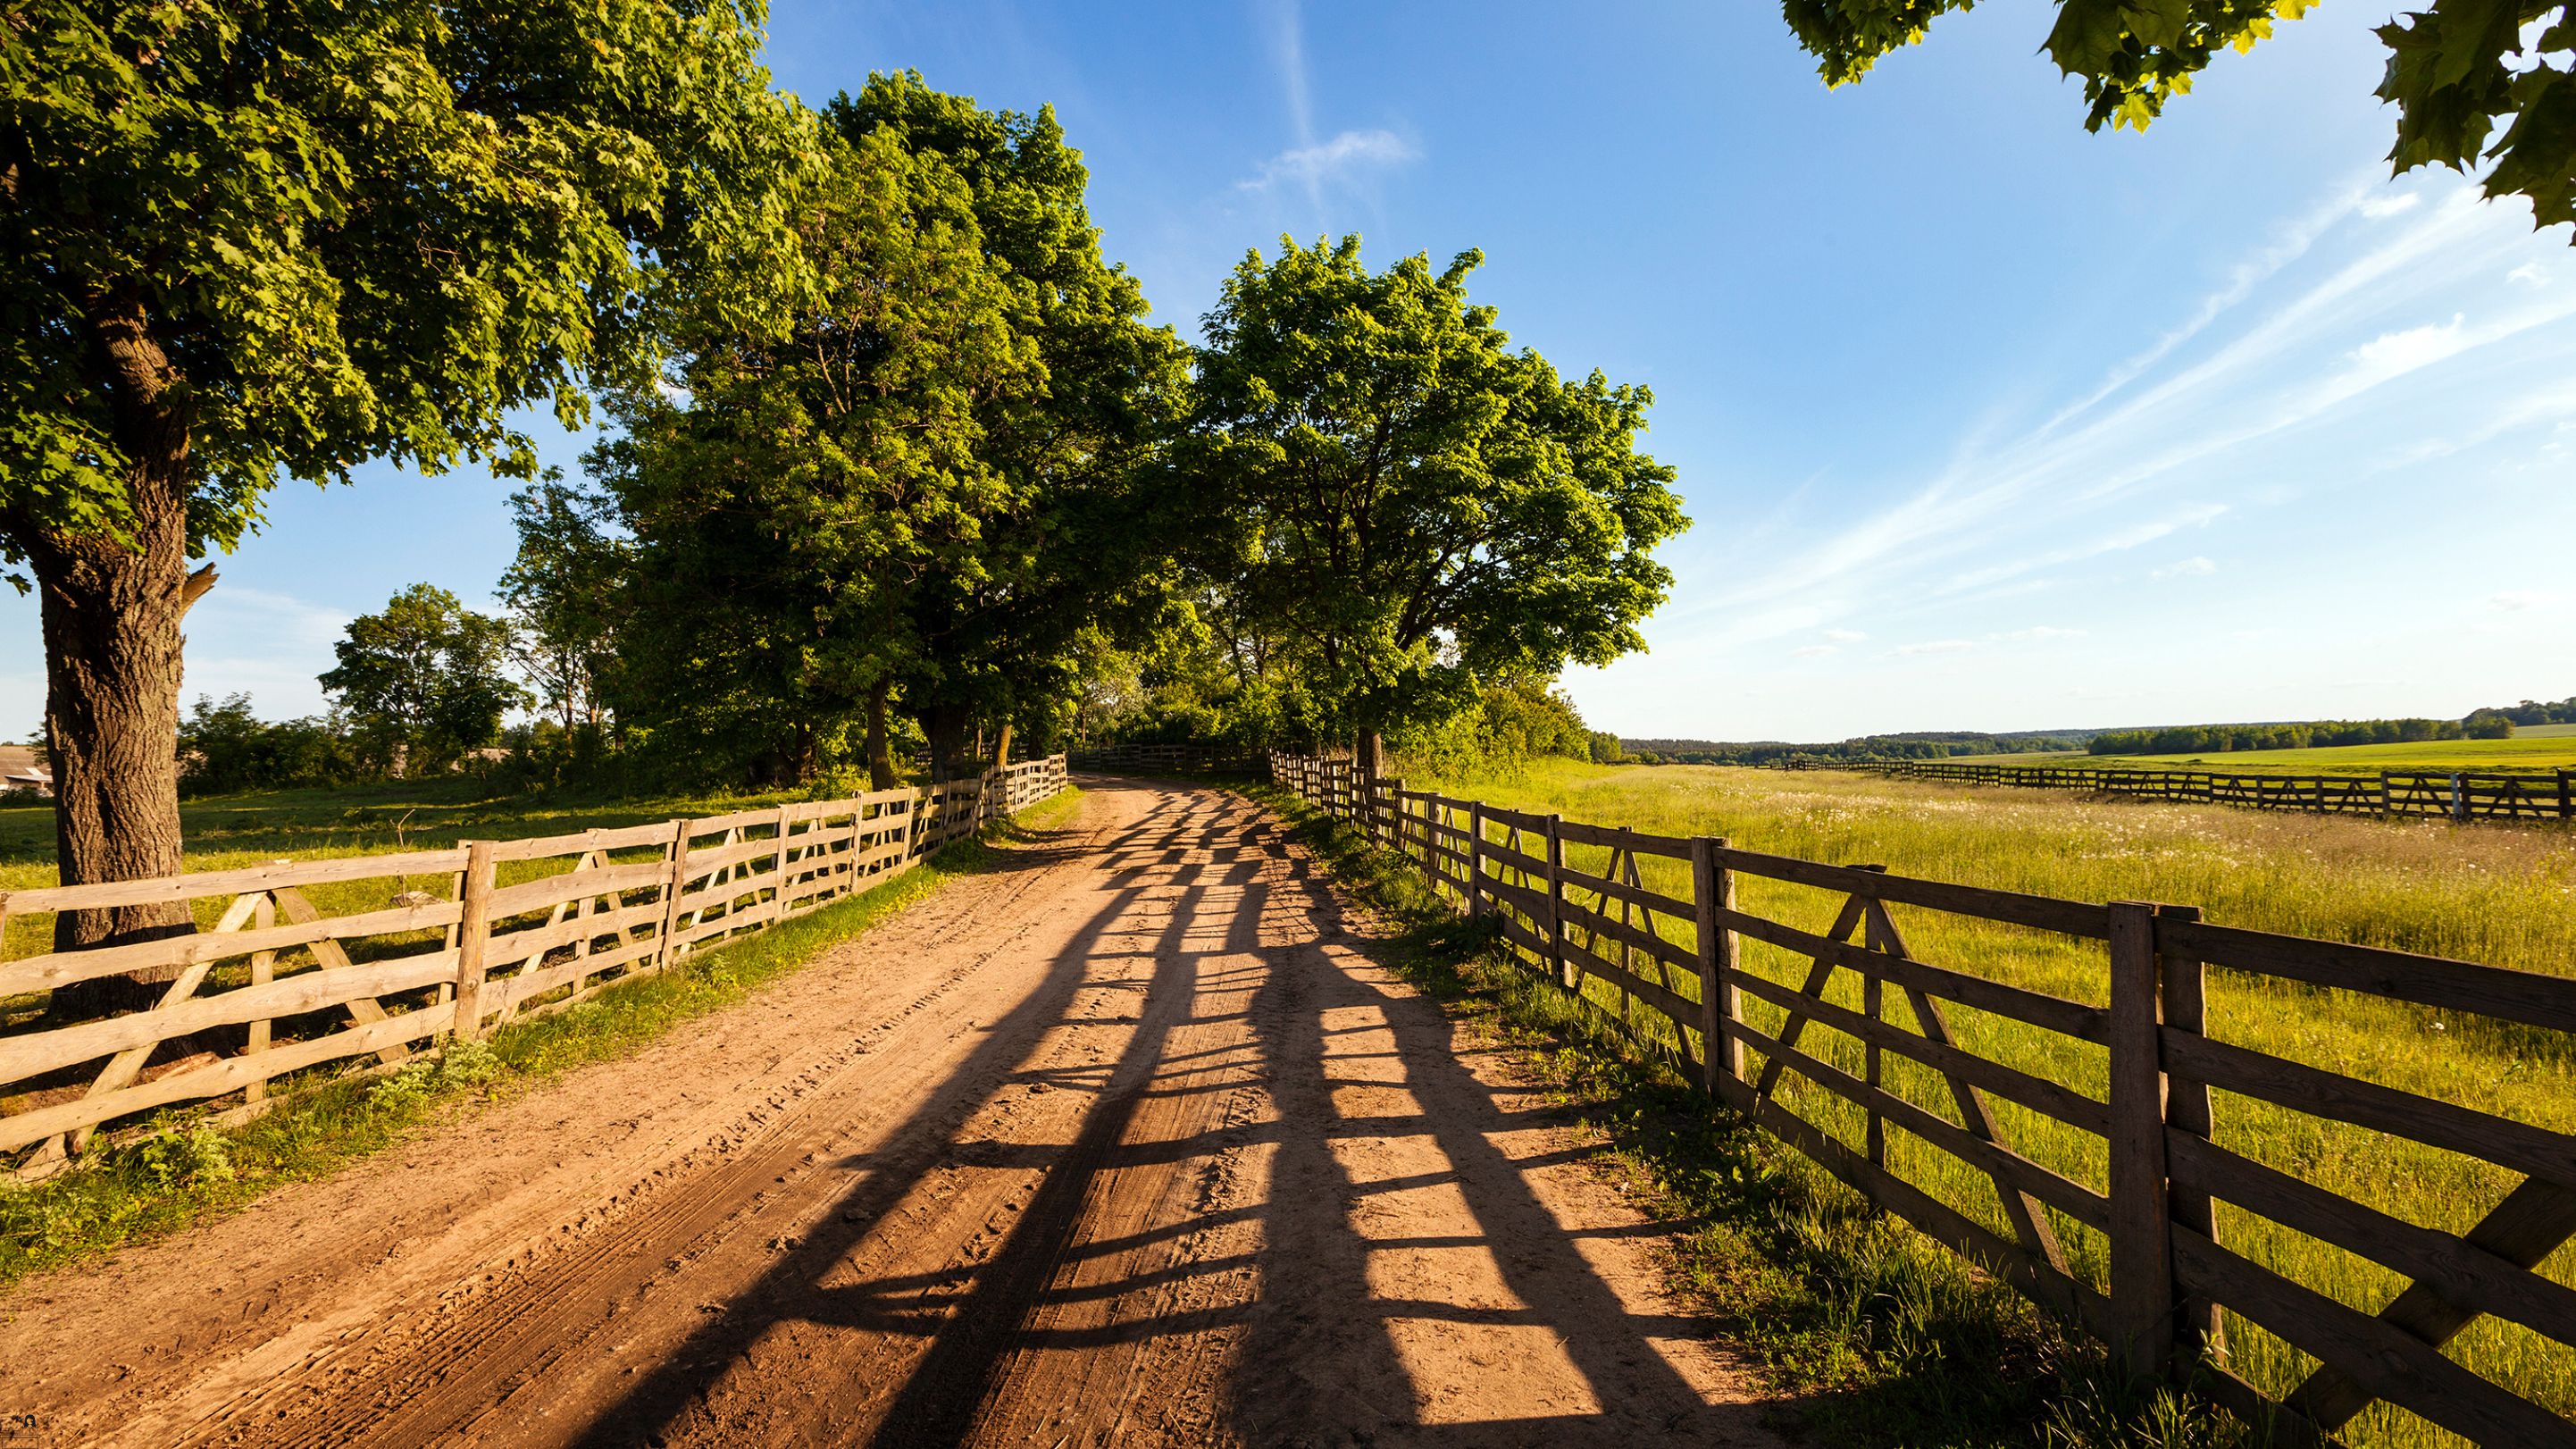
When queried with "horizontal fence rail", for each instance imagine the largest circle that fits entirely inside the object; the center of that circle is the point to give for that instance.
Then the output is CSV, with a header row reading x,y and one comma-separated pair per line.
x,y
2433,794
301,964
1846,1045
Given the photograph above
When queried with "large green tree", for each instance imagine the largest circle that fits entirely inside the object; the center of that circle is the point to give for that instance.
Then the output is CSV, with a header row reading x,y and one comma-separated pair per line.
x,y
283,237
563,589
795,494
2456,69
424,680
1411,504
1072,541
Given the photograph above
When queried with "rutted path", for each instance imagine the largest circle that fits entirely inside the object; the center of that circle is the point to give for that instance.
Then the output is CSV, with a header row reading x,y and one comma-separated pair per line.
x,y
1127,1142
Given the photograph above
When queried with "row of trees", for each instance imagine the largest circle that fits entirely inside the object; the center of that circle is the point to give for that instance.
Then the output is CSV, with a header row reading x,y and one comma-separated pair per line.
x,y
1922,745
2222,739
892,440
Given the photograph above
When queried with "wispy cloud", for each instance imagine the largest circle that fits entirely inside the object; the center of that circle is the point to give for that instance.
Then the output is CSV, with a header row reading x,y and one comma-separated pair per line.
x,y
2387,204
1845,636
1813,651
2514,601
1937,646
2037,633
2181,414
1310,167
1310,164
2190,568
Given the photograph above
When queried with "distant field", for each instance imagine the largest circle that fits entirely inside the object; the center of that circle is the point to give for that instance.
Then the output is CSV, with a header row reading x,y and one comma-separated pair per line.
x,y
2540,747
2499,894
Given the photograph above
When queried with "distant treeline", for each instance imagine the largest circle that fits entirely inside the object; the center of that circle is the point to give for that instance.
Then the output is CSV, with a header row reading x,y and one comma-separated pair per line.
x,y
1921,745
2535,712
2311,734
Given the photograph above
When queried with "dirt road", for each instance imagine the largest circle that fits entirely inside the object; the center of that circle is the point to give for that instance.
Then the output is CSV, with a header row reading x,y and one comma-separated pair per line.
x,y
1127,1142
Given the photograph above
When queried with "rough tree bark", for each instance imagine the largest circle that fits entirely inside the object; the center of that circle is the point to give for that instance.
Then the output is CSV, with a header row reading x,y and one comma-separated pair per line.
x,y
1002,746
947,727
880,748
112,610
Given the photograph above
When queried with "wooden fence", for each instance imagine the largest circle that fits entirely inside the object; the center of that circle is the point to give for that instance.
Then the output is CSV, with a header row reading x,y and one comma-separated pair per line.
x,y
371,956
1572,901
2452,795
1183,759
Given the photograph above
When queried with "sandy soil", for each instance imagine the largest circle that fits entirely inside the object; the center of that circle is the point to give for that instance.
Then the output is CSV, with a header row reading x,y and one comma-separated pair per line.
x,y
1128,1142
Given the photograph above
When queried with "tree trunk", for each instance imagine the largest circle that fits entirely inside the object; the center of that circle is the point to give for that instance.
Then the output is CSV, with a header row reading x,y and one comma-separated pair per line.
x,y
111,618
948,730
880,748
1002,747
1372,754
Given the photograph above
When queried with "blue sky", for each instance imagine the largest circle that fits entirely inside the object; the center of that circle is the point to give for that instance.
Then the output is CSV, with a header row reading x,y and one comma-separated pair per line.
x,y
1986,422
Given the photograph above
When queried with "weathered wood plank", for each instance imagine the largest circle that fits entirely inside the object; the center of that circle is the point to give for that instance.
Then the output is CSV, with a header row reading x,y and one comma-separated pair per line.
x,y
2524,996
2517,1145
62,968
2069,918
226,1076
239,881
2388,1363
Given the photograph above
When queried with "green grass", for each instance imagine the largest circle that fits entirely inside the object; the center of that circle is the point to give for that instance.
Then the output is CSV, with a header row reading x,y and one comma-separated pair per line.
x,y
189,1170
2542,748
1870,1333
2499,894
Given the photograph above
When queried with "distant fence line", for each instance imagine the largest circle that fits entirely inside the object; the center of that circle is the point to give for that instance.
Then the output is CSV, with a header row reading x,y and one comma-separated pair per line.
x,y
2435,794
2167,1271
1181,759
265,990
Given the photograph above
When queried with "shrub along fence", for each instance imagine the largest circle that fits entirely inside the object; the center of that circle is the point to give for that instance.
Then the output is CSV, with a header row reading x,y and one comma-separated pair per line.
x,y
374,955
2454,795
2118,1233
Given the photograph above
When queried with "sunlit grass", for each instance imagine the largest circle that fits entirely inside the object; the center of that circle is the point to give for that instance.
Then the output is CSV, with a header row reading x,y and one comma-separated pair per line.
x,y
2503,895
2540,748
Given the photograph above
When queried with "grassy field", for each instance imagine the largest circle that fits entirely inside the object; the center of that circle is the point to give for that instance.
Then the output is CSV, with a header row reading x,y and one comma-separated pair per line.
x,y
2540,747
2502,895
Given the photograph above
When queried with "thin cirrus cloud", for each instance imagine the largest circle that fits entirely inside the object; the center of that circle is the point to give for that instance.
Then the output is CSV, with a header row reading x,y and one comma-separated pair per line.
x,y
1345,155
2197,567
2309,326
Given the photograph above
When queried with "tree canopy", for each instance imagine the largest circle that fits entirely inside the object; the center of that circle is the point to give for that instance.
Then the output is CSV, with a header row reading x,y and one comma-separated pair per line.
x,y
2456,69
1412,506
317,235
256,241
426,679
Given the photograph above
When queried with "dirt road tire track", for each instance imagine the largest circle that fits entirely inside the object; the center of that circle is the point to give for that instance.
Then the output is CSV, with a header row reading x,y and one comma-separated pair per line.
x,y
1127,1142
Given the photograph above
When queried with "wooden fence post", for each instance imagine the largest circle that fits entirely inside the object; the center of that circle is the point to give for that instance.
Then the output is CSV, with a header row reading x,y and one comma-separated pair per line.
x,y
664,951
1395,815
2459,797
2566,797
1712,891
473,937
1475,859
2142,1283
778,866
2187,1110
1556,903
